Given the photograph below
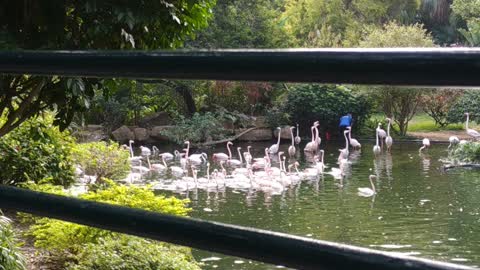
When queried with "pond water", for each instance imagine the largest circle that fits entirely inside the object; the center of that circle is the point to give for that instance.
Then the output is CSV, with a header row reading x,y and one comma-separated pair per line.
x,y
418,210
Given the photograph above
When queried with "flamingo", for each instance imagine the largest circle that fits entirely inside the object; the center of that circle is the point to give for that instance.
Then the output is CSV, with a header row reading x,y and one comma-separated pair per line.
x,y
471,132
198,159
132,157
344,152
318,140
145,151
353,142
230,161
156,166
367,192
166,155
453,141
376,148
155,150
298,140
381,133
247,155
274,148
388,139
319,162
220,156
311,146
140,168
426,144
291,149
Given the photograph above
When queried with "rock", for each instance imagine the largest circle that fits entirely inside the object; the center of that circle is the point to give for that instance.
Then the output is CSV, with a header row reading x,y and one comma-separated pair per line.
x,y
156,119
90,136
141,134
260,134
123,134
285,133
156,132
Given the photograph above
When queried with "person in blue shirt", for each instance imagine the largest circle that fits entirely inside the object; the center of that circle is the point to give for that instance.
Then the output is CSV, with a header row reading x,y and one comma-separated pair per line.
x,y
345,121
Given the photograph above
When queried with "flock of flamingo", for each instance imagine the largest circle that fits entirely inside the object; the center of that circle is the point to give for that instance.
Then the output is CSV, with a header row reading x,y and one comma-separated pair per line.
x,y
247,172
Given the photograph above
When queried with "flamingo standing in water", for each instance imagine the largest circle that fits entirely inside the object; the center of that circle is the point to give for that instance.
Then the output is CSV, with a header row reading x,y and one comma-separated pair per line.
x,y
471,132
367,192
274,148
376,148
353,142
344,152
426,144
388,139
291,149
132,157
230,161
454,140
318,140
381,134
312,146
297,138
221,156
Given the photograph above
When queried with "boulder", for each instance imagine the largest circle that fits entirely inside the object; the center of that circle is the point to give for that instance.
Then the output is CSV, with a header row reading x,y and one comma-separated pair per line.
x,y
141,134
156,132
156,119
285,133
260,134
123,134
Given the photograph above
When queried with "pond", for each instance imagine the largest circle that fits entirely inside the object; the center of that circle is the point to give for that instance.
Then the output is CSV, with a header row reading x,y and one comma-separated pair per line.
x,y
418,210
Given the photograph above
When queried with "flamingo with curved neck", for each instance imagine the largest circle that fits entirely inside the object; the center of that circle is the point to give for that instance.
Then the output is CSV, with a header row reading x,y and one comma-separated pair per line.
x,y
274,148
376,148
298,140
291,149
388,139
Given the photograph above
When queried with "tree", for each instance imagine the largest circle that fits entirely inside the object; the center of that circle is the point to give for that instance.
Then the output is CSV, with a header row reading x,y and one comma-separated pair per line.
x,y
437,104
399,102
87,24
469,11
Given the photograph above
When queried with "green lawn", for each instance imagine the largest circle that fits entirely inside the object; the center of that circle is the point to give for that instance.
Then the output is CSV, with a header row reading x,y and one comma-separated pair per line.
x,y
423,122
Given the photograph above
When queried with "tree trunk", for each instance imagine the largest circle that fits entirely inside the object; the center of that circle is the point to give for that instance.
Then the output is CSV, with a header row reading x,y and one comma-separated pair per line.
x,y
188,98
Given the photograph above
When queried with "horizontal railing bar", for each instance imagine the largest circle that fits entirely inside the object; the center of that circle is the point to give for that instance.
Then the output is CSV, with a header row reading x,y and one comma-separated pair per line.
x,y
405,66
260,245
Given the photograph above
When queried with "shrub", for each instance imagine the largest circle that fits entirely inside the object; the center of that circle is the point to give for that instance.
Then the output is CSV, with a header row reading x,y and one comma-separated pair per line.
x,y
438,103
466,153
131,253
307,103
65,240
10,256
105,160
36,150
467,103
198,128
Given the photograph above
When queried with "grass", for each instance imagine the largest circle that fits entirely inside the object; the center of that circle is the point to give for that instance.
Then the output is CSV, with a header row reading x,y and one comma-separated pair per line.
x,y
424,123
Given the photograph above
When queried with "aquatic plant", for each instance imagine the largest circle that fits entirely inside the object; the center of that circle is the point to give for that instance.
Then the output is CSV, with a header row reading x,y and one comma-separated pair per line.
x,y
465,153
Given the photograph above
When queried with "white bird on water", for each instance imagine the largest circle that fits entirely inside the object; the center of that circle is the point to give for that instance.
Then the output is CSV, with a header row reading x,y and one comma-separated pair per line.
x,y
376,149
454,140
291,148
426,144
298,140
381,133
388,139
274,148
367,192
353,142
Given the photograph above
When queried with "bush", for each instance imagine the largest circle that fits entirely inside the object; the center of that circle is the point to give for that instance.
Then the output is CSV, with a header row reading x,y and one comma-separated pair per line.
x,y
466,153
198,128
10,256
105,160
467,103
307,103
36,150
65,240
132,253
438,103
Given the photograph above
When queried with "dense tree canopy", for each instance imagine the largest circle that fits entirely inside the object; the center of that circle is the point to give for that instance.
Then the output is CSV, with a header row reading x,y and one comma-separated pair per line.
x,y
87,24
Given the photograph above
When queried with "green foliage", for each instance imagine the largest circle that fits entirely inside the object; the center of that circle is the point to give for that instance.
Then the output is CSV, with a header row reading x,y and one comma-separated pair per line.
x,y
105,160
131,253
472,35
198,128
467,9
36,150
87,24
438,103
394,35
467,103
466,153
11,257
277,117
307,103
66,240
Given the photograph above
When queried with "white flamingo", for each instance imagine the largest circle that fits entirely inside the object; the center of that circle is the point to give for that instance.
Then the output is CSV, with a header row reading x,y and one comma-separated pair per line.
x,y
230,161
471,132
344,152
367,192
311,146
376,148
247,155
291,149
353,142
166,156
140,168
426,144
274,148
198,159
298,140
389,139
381,134
319,162
132,157
145,151
318,140
156,166
453,141
220,156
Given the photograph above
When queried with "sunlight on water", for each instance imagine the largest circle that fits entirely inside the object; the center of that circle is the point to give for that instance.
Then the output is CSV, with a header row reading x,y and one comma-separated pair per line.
x,y
418,210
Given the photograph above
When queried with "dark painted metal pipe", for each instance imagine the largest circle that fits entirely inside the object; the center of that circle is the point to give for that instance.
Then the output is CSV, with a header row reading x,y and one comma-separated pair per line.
x,y
421,67
276,248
